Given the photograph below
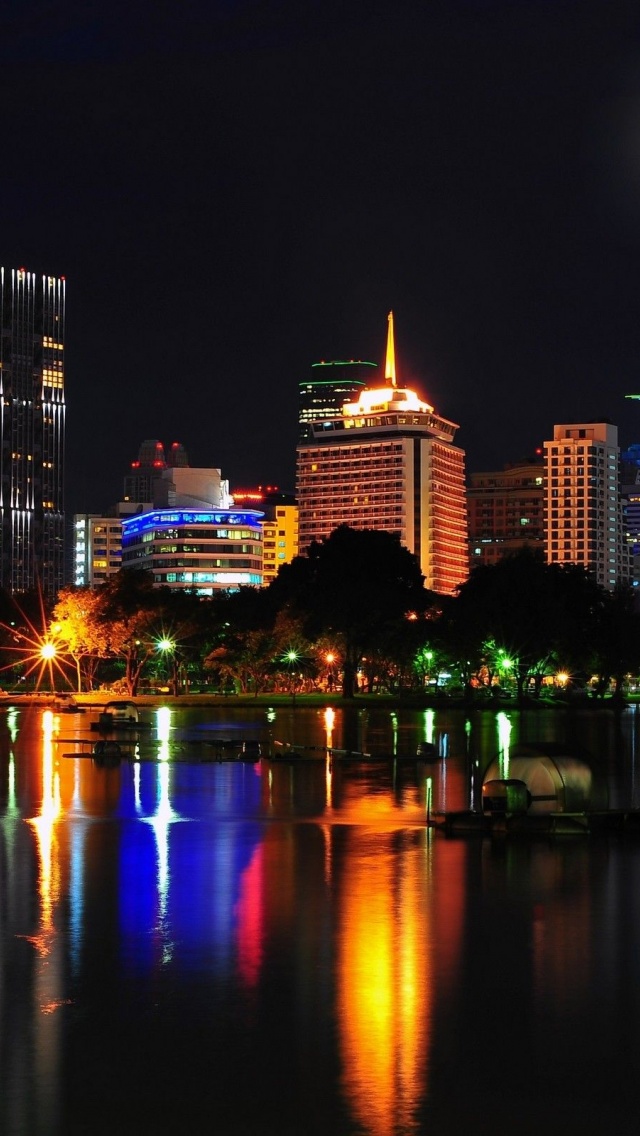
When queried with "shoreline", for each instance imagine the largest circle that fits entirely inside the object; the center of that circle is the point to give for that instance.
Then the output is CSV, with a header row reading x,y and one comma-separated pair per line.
x,y
99,699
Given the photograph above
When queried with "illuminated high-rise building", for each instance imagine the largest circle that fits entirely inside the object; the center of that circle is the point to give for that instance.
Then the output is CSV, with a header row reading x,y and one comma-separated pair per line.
x,y
331,384
584,516
388,461
32,432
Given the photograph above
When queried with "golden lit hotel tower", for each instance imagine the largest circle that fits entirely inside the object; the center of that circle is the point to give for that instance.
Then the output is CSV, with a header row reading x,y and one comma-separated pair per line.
x,y
584,517
388,462
32,418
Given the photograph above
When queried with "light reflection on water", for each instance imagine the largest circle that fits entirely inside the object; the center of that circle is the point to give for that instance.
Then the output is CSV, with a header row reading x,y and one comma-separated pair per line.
x,y
192,926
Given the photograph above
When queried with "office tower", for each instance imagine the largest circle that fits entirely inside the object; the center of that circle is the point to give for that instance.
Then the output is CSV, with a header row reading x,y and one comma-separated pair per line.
x,y
388,462
147,468
584,520
330,386
32,425
506,511
97,551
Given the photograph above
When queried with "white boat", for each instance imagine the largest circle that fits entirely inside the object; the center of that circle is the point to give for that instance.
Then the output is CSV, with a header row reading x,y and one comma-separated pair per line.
x,y
119,715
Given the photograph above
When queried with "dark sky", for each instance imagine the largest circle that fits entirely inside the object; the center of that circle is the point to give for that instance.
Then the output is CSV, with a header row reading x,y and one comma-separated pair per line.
x,y
236,190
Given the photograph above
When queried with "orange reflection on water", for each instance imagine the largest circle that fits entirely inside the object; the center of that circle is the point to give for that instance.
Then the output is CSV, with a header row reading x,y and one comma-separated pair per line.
x,y
384,980
44,825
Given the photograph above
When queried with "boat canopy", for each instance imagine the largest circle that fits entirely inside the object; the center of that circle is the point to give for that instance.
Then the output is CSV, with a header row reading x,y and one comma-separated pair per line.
x,y
557,781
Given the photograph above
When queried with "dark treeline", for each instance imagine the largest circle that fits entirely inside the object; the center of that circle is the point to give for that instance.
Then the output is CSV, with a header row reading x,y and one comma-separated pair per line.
x,y
351,615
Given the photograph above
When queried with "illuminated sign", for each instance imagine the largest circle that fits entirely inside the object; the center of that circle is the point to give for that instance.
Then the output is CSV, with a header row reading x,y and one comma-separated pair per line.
x,y
225,517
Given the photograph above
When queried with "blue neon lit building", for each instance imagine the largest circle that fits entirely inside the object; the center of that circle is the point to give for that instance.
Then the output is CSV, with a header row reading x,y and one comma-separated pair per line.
x,y
203,551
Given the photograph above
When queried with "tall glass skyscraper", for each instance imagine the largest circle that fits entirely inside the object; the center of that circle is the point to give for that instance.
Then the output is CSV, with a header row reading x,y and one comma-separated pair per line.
x,y
32,424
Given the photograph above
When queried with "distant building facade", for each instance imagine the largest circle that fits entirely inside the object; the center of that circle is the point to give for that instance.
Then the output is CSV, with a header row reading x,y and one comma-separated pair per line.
x,y
279,527
148,467
331,384
32,432
388,462
97,545
506,511
584,514
630,490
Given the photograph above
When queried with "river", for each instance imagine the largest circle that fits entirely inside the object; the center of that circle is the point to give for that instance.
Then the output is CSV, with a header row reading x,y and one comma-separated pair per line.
x,y
282,948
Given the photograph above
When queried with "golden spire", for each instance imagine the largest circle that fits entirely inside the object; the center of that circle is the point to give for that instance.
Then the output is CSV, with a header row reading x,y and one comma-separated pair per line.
x,y
390,364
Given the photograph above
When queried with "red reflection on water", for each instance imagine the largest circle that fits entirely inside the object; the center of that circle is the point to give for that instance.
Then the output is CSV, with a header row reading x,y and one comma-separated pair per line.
x,y
250,916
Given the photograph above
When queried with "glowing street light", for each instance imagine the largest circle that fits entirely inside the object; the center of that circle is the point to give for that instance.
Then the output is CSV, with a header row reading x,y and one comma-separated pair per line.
x,y
167,647
330,659
291,657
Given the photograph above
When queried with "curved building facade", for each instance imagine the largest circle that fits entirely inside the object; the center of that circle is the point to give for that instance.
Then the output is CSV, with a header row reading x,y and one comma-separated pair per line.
x,y
200,551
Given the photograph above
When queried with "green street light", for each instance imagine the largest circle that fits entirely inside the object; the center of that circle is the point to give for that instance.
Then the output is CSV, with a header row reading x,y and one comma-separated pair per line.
x,y
291,657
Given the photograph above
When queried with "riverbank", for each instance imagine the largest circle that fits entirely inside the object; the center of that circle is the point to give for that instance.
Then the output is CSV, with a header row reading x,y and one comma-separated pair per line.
x,y
99,699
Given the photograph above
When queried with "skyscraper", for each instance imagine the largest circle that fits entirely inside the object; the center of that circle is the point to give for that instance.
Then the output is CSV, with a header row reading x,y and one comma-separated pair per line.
x,y
388,462
32,429
584,519
331,385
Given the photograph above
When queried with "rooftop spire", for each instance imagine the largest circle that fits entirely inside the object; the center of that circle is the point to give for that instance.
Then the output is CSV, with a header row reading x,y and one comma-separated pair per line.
x,y
390,364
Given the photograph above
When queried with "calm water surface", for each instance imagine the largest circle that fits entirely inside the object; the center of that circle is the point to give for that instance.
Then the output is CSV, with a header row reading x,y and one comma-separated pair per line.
x,y
283,949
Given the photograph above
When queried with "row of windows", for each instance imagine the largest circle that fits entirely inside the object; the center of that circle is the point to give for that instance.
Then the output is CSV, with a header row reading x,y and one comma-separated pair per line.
x,y
194,534
213,562
213,547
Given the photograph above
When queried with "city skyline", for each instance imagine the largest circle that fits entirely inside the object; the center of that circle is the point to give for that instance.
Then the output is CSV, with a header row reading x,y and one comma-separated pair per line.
x,y
234,193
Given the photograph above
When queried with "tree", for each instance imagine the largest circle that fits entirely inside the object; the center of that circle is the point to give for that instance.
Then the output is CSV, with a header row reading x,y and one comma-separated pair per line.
x,y
527,610
616,639
76,623
354,586
130,612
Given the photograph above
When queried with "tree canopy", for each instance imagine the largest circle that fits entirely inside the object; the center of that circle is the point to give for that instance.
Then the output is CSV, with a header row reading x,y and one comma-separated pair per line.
x,y
354,585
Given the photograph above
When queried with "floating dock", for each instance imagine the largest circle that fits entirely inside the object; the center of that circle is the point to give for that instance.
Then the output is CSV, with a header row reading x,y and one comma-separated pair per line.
x,y
597,823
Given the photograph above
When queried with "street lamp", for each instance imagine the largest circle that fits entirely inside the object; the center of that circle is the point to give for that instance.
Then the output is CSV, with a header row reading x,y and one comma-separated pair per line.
x,y
167,646
291,657
48,652
330,658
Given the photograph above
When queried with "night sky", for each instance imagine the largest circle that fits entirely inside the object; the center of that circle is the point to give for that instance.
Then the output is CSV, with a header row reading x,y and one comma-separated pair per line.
x,y
237,190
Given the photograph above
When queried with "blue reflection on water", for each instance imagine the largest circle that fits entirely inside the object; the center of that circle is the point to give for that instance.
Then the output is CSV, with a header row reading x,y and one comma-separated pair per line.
x,y
177,883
